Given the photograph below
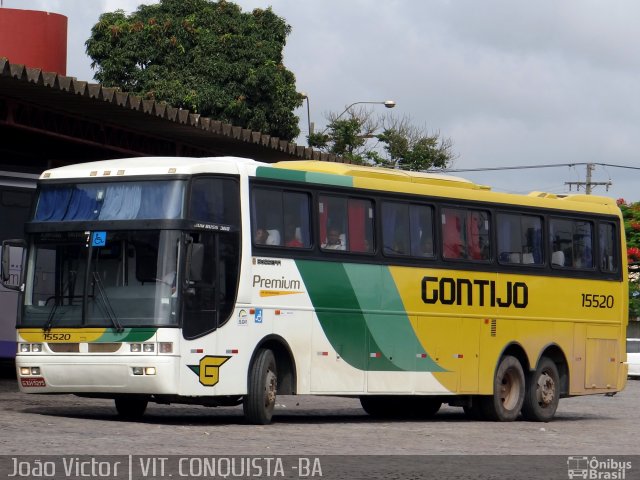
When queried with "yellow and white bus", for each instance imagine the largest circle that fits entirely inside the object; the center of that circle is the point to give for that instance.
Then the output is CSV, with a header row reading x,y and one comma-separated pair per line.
x,y
223,281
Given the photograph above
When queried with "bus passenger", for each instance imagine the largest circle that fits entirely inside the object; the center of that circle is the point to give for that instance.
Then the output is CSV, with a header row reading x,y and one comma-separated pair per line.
x,y
290,238
426,245
261,236
334,240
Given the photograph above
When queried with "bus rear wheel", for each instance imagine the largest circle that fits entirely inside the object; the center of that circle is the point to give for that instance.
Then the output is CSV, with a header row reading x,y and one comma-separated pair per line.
x,y
260,400
508,391
131,407
542,392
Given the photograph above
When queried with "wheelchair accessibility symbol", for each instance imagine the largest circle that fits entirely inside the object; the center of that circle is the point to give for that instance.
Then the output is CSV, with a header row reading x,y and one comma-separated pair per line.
x,y
99,239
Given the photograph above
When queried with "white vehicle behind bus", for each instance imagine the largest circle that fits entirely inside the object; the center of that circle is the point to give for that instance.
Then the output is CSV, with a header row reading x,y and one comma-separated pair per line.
x,y
633,356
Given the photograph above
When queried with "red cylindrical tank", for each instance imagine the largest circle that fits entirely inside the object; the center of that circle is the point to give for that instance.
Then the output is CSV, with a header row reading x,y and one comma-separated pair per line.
x,y
35,39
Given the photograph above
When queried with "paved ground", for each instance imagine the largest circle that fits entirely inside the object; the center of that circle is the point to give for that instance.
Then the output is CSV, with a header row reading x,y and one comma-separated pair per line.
x,y
65,424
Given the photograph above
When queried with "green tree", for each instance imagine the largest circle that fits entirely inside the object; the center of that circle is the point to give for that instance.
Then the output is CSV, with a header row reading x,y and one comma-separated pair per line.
x,y
631,216
399,145
206,56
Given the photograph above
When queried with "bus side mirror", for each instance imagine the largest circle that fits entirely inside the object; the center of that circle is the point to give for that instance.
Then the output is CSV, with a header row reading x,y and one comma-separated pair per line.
x,y
9,250
195,258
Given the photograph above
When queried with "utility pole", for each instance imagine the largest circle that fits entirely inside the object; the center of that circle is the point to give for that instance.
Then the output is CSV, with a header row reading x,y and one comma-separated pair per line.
x,y
588,184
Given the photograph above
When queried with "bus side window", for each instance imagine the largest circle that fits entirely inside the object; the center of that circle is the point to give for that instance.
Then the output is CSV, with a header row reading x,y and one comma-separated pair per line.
x,y
452,235
266,217
360,221
465,234
407,229
571,243
608,251
395,228
345,224
421,220
280,218
297,227
213,200
519,239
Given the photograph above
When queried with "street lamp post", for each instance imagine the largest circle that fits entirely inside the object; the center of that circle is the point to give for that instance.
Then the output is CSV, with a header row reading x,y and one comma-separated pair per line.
x,y
306,97
386,103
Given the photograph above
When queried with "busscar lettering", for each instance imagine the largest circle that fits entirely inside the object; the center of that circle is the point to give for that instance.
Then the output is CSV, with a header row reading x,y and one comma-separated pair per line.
x,y
214,227
481,293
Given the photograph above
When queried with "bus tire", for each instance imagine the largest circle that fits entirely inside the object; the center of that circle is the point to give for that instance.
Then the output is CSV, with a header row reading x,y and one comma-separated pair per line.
x,y
376,405
260,400
131,407
508,392
426,407
542,393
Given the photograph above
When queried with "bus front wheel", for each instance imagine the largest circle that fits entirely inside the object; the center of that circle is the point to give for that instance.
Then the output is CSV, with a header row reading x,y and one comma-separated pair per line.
x,y
508,391
542,393
260,400
131,407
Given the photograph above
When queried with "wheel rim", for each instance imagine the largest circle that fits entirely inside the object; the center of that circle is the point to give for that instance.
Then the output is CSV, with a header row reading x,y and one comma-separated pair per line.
x,y
546,390
270,389
510,390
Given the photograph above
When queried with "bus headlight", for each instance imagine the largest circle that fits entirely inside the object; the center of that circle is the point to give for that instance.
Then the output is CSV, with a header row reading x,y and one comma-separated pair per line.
x,y
148,347
135,347
143,370
165,347
29,347
25,371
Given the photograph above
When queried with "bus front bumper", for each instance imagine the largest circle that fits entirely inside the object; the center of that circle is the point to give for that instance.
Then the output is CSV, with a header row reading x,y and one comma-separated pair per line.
x,y
87,374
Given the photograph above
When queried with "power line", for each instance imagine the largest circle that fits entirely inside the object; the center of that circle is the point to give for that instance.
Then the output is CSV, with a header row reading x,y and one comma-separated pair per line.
x,y
588,184
524,167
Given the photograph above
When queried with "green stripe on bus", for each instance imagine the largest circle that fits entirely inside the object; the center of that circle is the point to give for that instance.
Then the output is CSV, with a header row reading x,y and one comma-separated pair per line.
x,y
340,315
386,318
328,179
350,310
304,177
281,174
128,335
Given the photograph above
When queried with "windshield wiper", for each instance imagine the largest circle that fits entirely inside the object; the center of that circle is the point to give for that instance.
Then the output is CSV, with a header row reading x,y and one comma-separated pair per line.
x,y
107,304
59,299
47,326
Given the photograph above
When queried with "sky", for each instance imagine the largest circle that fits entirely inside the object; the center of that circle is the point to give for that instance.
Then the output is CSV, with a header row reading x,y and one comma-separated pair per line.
x,y
510,83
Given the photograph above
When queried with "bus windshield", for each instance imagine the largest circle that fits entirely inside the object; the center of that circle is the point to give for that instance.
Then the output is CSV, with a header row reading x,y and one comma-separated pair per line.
x,y
112,279
110,201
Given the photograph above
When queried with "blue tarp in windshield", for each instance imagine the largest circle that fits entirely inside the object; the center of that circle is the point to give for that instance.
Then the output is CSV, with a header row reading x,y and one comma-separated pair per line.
x,y
110,201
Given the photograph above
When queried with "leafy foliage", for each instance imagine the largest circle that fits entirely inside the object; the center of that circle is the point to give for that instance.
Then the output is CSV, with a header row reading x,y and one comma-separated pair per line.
x,y
400,145
206,56
631,216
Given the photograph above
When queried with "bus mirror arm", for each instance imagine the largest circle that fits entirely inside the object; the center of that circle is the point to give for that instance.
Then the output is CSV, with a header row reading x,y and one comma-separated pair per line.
x,y
7,246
